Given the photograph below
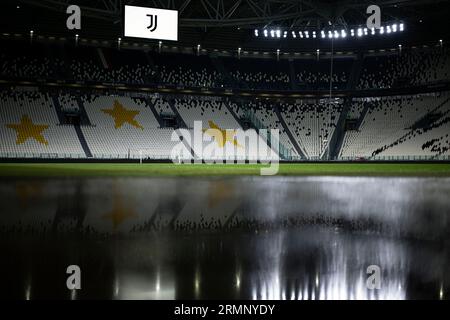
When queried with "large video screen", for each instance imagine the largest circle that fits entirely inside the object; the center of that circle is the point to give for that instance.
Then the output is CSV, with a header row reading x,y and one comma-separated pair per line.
x,y
150,23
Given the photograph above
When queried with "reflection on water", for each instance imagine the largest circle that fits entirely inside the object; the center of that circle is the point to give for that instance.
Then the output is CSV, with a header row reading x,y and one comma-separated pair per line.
x,y
287,238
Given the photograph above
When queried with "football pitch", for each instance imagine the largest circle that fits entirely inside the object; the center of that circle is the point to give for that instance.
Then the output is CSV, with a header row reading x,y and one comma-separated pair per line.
x,y
169,169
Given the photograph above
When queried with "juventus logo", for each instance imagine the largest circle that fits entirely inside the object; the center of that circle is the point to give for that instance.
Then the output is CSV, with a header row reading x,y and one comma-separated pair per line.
x,y
153,22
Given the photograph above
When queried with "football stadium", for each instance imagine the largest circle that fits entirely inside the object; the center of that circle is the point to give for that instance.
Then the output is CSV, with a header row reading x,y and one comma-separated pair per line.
x,y
236,150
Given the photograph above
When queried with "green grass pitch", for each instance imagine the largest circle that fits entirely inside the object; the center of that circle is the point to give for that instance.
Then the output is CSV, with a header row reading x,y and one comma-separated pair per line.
x,y
168,169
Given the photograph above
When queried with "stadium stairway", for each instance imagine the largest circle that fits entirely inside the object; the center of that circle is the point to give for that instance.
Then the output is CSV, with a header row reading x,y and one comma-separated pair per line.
x,y
292,75
155,113
219,66
102,58
58,109
235,116
362,115
289,133
83,142
337,139
150,61
78,131
180,120
84,117
356,72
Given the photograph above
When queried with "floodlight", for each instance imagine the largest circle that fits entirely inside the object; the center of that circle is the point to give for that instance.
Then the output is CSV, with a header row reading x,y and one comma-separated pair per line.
x,y
360,32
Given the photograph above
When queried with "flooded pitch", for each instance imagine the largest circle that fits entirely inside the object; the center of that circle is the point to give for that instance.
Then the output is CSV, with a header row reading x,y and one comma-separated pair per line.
x,y
225,238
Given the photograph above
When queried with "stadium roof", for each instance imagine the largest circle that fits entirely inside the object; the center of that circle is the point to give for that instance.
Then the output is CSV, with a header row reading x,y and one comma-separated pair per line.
x,y
230,24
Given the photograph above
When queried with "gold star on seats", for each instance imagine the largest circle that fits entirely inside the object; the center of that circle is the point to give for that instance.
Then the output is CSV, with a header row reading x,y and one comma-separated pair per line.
x,y
122,115
222,136
27,129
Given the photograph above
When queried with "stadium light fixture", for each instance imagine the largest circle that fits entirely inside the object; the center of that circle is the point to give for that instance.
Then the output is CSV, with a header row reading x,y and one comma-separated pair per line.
x,y
330,33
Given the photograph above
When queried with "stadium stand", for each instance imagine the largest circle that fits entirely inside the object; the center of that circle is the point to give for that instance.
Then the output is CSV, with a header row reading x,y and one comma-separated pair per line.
x,y
122,126
312,125
415,67
316,74
264,74
101,124
387,127
30,128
